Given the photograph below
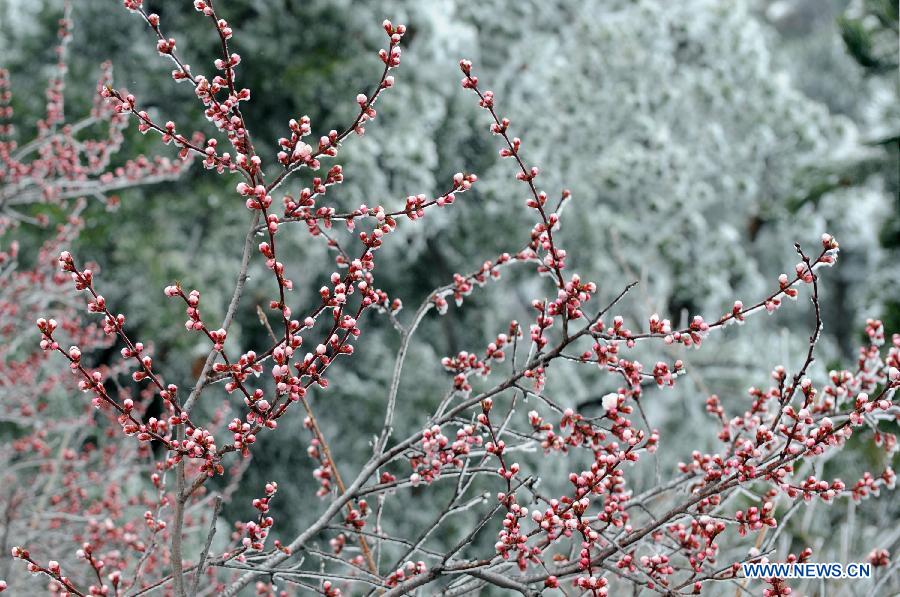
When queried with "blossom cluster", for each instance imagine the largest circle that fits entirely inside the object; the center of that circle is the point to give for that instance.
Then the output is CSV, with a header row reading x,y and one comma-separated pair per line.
x,y
69,159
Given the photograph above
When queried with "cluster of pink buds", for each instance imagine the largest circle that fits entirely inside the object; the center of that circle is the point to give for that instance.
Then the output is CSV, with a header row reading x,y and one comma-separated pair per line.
x,y
153,523
52,570
293,150
875,331
256,532
192,300
243,436
258,197
542,323
198,443
463,285
879,557
571,297
153,429
218,338
214,160
550,441
239,372
560,518
698,539
328,144
121,103
392,58
47,327
355,517
553,261
405,572
831,246
579,431
777,588
812,487
664,326
887,442
6,110
465,364
606,354
415,206
598,586
693,336
617,331
754,519
438,453
84,280
512,541
714,466
869,485
63,163
302,207
658,568
323,473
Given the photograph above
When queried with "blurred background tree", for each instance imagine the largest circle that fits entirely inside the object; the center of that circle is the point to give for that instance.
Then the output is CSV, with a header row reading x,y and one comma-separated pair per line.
x,y
870,31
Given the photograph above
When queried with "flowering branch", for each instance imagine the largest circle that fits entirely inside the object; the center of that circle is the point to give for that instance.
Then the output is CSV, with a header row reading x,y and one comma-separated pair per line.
x,y
585,526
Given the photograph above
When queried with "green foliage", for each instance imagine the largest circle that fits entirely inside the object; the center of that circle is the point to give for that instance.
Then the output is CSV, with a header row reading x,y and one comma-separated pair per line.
x,y
871,38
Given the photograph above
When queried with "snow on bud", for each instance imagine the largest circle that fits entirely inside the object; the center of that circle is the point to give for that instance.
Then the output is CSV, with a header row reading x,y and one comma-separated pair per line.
x,y
302,152
165,46
610,401
829,242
